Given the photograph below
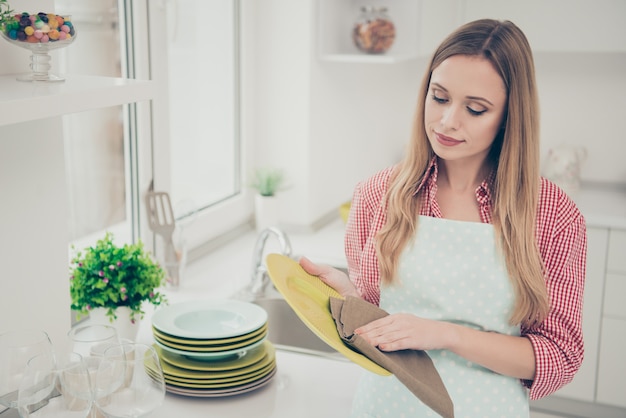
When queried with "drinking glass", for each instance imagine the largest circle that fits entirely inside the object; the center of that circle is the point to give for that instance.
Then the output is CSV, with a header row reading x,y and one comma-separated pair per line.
x,y
130,382
91,341
16,349
55,389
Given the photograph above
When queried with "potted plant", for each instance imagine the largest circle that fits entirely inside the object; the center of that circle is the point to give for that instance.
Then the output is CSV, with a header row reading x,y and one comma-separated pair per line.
x,y
5,12
266,182
113,277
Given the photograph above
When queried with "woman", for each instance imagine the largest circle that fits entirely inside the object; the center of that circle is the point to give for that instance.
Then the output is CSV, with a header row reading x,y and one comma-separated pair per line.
x,y
477,258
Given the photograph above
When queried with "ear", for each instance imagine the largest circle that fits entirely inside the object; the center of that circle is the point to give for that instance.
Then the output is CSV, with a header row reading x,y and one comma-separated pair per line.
x,y
582,153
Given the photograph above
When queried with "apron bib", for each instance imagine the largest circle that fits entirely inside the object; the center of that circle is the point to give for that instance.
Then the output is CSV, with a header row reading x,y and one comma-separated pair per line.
x,y
452,272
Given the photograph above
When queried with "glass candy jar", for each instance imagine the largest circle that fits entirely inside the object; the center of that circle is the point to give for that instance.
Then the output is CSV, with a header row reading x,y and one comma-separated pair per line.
x,y
373,32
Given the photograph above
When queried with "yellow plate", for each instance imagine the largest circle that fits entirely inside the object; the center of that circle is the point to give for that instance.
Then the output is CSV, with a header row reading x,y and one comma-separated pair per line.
x,y
309,297
230,381
250,357
181,373
258,376
211,348
208,342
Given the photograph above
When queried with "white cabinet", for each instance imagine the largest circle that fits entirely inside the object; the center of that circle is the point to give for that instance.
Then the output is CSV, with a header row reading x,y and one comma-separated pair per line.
x,y
583,387
612,361
560,25
599,388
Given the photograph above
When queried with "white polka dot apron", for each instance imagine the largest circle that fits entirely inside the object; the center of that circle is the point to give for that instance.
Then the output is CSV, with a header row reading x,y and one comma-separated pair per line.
x,y
452,272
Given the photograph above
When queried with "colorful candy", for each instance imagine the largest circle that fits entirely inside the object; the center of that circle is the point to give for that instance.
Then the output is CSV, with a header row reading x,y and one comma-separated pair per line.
x,y
38,28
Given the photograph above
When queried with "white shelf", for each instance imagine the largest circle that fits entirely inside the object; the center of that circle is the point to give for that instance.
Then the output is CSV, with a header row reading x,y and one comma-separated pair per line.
x,y
26,101
372,59
337,17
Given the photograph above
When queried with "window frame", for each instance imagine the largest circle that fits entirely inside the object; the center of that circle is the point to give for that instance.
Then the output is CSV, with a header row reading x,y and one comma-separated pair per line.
x,y
221,219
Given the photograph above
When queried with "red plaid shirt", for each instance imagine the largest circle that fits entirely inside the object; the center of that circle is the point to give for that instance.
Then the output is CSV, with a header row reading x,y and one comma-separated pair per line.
x,y
562,241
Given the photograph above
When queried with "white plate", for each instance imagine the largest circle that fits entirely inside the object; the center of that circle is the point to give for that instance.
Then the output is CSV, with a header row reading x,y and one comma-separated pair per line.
x,y
214,355
207,319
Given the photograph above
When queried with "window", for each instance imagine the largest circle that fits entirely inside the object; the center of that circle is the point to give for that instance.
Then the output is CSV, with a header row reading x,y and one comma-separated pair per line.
x,y
189,147
97,143
199,47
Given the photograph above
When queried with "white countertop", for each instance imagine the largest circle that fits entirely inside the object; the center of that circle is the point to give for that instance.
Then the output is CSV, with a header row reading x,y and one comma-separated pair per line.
x,y
305,385
602,205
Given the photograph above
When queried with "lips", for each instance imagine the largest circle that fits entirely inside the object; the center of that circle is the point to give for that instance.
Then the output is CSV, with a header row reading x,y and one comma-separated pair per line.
x,y
446,140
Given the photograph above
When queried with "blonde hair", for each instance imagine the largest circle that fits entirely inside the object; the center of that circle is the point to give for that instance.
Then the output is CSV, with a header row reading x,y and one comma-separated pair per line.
x,y
515,154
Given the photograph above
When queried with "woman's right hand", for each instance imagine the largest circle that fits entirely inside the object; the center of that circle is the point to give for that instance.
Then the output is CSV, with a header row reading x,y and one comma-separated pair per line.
x,y
334,278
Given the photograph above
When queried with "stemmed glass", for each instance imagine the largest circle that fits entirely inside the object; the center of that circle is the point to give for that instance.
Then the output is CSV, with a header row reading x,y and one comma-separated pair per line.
x,y
130,382
39,44
91,341
16,349
55,389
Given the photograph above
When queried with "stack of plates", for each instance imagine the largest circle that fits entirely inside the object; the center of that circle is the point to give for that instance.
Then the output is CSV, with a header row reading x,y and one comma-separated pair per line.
x,y
213,348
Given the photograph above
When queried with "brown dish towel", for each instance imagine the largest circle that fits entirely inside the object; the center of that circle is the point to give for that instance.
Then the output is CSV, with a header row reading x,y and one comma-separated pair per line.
x,y
414,368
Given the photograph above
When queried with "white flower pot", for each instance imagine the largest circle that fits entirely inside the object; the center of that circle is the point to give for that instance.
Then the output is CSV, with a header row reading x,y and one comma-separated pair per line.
x,y
125,328
265,211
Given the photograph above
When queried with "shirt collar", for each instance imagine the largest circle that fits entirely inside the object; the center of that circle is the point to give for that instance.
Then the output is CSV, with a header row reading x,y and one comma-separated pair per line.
x,y
430,176
482,192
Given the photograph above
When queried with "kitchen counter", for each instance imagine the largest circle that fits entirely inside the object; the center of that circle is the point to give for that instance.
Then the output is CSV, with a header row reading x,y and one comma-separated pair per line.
x,y
306,385
602,205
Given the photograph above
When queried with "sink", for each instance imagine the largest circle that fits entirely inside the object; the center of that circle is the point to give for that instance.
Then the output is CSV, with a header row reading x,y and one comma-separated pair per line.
x,y
287,331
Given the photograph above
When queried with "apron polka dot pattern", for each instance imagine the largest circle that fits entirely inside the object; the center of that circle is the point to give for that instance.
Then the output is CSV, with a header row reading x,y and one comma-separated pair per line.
x,y
452,272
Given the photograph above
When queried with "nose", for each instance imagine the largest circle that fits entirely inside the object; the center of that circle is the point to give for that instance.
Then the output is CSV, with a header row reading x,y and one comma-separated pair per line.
x,y
451,117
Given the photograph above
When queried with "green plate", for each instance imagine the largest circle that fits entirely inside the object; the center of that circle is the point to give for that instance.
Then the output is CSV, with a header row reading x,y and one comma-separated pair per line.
x,y
250,357
222,385
214,383
182,373
208,342
212,348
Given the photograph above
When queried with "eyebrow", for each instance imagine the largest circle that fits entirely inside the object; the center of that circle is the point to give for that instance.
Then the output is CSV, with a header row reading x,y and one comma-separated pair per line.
x,y
468,97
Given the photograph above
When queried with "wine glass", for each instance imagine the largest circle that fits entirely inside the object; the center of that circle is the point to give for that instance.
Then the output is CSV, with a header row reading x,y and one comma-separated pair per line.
x,y
55,389
16,349
130,381
91,341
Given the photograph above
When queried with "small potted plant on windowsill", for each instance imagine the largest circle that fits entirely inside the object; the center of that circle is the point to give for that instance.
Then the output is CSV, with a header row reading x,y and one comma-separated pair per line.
x,y
115,279
266,182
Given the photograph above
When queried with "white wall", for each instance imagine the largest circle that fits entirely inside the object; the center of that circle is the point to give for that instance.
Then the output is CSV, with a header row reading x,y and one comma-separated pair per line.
x,y
34,241
583,102
327,125
331,124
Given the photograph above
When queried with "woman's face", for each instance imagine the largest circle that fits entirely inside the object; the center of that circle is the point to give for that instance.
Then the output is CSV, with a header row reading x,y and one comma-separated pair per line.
x,y
464,108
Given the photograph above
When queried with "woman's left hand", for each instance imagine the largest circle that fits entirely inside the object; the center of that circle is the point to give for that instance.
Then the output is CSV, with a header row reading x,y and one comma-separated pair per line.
x,y
405,331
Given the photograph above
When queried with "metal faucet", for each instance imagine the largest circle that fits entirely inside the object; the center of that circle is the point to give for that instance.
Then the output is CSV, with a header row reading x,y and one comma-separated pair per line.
x,y
259,276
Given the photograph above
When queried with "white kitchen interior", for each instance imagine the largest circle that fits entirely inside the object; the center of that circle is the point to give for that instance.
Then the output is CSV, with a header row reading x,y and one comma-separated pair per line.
x,y
328,116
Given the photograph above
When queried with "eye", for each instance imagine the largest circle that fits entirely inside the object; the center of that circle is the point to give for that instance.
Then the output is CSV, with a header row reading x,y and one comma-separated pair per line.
x,y
438,99
474,112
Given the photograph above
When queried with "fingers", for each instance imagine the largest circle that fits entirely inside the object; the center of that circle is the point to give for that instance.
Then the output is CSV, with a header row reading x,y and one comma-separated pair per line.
x,y
386,333
312,268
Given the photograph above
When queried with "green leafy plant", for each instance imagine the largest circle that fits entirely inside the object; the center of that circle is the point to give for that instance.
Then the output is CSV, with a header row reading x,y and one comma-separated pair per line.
x,y
108,276
267,181
6,13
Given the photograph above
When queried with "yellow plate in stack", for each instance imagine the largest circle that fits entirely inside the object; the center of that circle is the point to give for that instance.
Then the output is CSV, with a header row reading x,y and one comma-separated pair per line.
x,y
255,337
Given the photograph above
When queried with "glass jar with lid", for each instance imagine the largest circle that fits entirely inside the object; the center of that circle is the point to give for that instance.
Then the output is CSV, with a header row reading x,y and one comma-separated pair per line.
x,y
373,32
